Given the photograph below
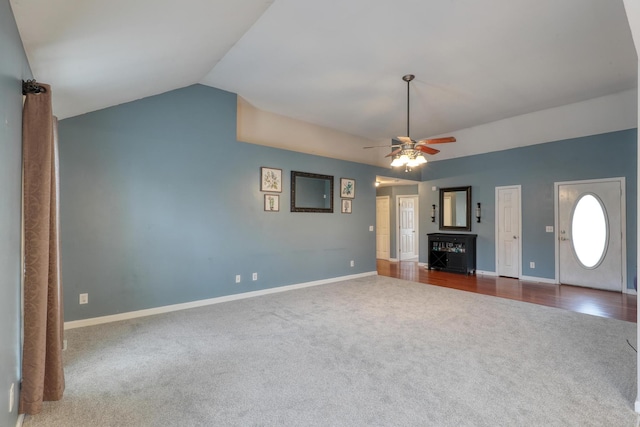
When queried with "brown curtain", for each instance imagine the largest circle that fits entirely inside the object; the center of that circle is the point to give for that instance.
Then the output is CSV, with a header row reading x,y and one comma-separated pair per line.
x,y
42,373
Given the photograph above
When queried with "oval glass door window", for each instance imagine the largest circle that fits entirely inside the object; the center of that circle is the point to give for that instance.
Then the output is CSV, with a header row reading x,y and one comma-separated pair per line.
x,y
589,231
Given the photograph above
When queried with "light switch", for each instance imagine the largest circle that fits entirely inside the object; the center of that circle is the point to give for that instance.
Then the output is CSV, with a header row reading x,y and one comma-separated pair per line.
x,y
549,228
371,228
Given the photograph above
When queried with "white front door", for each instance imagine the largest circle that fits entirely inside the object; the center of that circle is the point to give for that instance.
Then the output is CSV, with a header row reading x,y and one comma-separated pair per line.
x,y
383,232
508,231
591,245
407,226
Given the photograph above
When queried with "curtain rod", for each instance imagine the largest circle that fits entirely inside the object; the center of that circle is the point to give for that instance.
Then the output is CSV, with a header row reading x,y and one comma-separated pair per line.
x,y
32,86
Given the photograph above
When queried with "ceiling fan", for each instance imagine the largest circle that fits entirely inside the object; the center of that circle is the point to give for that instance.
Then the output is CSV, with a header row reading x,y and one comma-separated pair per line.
x,y
409,152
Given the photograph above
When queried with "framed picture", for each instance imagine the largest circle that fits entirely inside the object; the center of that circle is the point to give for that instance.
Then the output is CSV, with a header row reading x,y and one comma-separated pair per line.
x,y
271,202
347,188
346,206
271,180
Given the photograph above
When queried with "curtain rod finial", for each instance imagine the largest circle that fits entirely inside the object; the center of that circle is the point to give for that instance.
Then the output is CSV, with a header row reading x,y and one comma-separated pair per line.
x,y
32,86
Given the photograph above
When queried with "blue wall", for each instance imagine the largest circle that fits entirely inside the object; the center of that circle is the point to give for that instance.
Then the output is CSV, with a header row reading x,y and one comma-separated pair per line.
x,y
536,168
13,69
161,205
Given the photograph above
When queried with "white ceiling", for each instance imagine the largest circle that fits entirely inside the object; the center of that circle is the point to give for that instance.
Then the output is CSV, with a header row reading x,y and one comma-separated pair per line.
x,y
336,63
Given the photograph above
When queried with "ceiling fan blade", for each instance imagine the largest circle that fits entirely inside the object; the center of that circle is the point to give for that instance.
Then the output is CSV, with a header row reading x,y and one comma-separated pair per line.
x,y
404,139
394,152
426,149
437,140
379,146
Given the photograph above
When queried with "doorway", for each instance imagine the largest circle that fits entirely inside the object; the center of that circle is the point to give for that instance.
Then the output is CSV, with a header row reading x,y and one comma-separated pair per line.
x,y
407,219
508,231
591,244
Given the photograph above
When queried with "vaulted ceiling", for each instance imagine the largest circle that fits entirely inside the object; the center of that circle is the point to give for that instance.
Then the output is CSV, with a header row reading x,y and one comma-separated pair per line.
x,y
337,64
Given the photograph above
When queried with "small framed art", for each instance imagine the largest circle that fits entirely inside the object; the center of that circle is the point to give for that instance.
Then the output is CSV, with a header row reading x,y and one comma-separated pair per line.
x,y
347,188
346,206
271,180
271,202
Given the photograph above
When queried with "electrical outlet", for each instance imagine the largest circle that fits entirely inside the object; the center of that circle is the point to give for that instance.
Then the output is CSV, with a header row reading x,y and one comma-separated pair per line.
x,y
549,228
532,264
237,278
352,263
254,276
84,299
12,396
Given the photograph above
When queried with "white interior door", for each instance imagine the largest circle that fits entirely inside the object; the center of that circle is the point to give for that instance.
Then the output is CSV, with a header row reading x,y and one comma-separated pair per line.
x,y
591,245
407,226
383,232
508,231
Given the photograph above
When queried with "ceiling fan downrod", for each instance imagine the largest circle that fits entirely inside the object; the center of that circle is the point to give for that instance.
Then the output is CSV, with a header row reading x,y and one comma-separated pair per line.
x,y
407,78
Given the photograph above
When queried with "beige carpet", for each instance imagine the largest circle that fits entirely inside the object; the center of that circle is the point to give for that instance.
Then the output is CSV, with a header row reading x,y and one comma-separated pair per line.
x,y
375,351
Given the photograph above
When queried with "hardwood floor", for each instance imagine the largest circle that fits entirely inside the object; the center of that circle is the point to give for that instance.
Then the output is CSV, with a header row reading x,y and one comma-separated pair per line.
x,y
582,300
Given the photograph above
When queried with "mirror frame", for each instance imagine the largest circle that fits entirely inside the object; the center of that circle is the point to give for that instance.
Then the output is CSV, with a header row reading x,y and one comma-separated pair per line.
x,y
294,207
466,189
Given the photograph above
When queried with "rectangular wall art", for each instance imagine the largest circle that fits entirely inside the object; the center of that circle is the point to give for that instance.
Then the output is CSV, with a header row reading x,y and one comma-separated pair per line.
x,y
271,202
271,180
346,206
347,188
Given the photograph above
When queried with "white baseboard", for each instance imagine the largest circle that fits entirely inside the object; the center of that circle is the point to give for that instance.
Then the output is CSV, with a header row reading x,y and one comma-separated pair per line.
x,y
525,278
545,280
478,272
393,259
200,303
486,273
539,280
554,282
21,420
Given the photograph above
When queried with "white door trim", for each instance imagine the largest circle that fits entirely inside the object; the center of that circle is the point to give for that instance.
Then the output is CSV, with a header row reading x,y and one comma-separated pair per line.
x,y
417,224
497,219
388,199
623,223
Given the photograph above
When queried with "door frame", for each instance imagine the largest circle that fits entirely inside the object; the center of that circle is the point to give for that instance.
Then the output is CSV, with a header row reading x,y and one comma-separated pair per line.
x,y
497,224
416,211
623,223
388,198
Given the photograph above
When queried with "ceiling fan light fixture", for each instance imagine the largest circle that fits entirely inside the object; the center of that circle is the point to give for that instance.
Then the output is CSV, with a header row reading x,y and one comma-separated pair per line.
x,y
412,163
409,153
396,161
